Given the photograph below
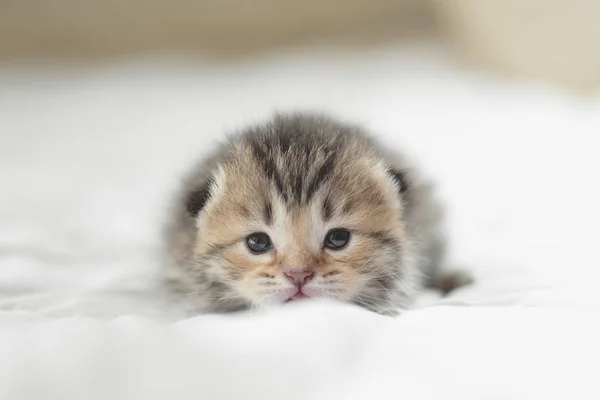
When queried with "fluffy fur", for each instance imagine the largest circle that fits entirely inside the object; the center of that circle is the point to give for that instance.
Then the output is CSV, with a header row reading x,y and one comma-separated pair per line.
x,y
295,178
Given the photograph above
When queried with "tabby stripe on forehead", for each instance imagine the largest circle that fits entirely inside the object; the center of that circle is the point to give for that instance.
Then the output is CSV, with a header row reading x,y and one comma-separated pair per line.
x,y
284,143
298,187
321,176
327,210
269,167
268,213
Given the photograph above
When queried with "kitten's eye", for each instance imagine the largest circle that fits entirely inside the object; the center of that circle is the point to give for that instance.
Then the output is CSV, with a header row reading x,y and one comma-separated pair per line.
x,y
337,239
258,242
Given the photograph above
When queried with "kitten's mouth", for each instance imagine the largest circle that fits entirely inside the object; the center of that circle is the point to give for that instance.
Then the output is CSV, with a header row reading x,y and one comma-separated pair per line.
x,y
298,295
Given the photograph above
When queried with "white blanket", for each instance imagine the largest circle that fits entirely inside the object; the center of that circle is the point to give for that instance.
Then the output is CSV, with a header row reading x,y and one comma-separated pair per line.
x,y
88,157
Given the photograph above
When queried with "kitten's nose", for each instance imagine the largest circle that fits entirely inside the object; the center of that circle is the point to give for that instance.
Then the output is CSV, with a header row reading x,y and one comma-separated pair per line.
x,y
299,278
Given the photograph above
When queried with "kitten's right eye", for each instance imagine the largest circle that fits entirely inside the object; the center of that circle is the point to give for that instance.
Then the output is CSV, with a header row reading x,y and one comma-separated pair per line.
x,y
337,239
258,242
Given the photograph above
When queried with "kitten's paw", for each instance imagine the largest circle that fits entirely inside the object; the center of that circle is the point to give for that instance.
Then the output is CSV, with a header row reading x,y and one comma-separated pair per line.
x,y
449,280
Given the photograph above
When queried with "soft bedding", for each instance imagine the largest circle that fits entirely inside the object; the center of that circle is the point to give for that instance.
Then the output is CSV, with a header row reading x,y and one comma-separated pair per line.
x,y
88,157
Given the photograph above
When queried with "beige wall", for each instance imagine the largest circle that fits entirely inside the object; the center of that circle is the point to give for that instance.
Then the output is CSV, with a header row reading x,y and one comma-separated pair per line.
x,y
77,28
552,40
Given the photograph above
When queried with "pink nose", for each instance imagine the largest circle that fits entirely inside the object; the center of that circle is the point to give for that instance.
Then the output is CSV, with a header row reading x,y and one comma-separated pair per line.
x,y
299,278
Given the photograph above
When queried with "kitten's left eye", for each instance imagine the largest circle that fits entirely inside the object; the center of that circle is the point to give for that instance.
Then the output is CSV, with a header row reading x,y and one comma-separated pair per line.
x,y
336,239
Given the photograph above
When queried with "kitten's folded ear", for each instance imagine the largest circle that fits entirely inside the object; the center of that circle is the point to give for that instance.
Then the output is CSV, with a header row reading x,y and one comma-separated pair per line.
x,y
400,178
196,199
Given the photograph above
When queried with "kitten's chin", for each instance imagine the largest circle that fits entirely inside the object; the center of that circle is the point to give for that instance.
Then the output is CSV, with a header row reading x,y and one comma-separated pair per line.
x,y
282,296
293,294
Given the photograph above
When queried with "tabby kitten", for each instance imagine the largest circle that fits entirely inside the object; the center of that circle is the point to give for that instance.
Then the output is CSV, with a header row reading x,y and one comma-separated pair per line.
x,y
304,206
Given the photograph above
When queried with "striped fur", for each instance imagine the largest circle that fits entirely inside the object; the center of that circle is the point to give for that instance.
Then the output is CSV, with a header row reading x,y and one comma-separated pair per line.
x,y
295,178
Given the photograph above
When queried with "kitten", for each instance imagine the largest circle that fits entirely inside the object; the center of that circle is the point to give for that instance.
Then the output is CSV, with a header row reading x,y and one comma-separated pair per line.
x,y
304,206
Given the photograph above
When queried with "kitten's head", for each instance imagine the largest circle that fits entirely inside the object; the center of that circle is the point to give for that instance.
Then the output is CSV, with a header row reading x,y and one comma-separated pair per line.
x,y
300,207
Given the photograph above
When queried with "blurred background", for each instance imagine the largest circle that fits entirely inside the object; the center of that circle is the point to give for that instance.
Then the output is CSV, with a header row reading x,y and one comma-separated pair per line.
x,y
554,41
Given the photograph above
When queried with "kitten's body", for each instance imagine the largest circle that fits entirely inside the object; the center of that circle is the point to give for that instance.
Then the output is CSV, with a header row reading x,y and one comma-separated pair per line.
x,y
296,179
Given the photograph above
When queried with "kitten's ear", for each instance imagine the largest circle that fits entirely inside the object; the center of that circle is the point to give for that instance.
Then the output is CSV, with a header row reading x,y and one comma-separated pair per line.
x,y
400,179
197,199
